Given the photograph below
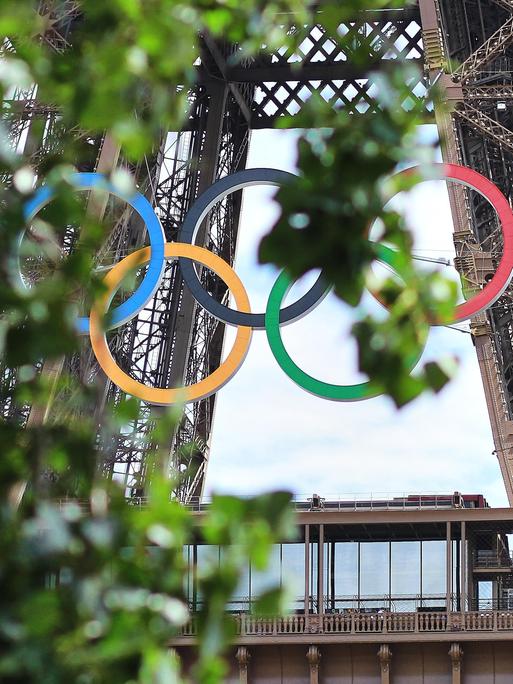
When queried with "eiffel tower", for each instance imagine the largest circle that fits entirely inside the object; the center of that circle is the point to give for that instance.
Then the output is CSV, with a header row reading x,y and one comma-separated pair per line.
x,y
463,45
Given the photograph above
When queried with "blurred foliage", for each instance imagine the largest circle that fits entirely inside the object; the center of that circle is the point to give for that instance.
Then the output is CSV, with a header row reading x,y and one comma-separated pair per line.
x,y
94,592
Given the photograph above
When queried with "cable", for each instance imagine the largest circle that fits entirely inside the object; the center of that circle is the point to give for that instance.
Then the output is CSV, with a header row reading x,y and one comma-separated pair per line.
x,y
432,260
453,327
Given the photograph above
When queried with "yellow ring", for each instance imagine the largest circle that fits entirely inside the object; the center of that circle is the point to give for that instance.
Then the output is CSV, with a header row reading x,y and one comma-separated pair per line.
x,y
161,396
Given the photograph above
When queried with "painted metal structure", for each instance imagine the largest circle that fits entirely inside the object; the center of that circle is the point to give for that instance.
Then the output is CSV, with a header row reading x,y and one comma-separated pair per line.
x,y
174,342
412,589
469,47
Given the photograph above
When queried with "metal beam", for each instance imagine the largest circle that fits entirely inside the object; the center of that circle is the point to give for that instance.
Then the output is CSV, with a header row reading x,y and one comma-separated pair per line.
x,y
484,54
284,73
57,18
481,122
466,240
52,368
220,61
490,92
499,423
505,4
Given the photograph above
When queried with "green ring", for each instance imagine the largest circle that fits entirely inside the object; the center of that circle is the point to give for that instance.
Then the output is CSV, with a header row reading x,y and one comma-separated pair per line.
x,y
325,390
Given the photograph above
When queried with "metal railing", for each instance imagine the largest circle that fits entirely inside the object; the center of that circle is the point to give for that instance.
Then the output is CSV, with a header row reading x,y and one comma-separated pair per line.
x,y
357,623
342,502
363,501
483,560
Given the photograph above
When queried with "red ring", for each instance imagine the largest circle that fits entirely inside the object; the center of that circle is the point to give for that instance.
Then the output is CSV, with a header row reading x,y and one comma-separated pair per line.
x,y
493,289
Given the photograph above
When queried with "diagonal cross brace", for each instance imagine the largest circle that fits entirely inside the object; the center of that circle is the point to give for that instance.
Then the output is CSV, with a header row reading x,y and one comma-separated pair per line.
x,y
506,4
482,123
222,66
488,92
484,54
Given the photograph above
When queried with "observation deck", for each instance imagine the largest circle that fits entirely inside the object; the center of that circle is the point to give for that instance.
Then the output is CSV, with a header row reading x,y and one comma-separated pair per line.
x,y
425,578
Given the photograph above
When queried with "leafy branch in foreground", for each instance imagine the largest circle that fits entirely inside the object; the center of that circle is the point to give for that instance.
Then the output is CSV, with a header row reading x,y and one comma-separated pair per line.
x,y
93,589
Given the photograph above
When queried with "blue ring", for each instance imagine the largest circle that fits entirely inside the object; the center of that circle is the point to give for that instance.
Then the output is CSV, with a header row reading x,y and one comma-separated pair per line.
x,y
153,276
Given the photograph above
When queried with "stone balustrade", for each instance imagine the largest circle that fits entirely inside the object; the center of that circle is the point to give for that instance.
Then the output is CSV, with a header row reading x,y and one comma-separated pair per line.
x,y
374,623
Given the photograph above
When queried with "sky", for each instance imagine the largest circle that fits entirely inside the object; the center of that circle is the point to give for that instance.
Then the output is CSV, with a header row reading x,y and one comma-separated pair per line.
x,y
269,433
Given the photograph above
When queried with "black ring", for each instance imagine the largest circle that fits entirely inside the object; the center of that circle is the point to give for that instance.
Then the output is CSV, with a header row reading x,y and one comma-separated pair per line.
x,y
190,226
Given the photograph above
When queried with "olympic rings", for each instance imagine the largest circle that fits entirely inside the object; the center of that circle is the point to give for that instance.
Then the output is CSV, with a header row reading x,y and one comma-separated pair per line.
x,y
502,276
207,386
186,252
216,192
153,276
325,390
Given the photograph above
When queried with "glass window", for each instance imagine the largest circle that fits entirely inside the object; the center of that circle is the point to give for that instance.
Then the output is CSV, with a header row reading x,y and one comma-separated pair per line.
x,y
314,560
293,573
405,558
328,549
399,605
434,603
485,595
434,563
455,587
188,577
240,598
262,580
206,555
374,569
346,569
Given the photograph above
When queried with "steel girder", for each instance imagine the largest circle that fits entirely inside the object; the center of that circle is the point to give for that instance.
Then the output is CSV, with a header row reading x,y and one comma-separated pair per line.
x,y
173,341
479,35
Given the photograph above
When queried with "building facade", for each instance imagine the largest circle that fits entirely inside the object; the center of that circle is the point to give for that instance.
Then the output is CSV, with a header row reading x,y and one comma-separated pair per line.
x,y
410,591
